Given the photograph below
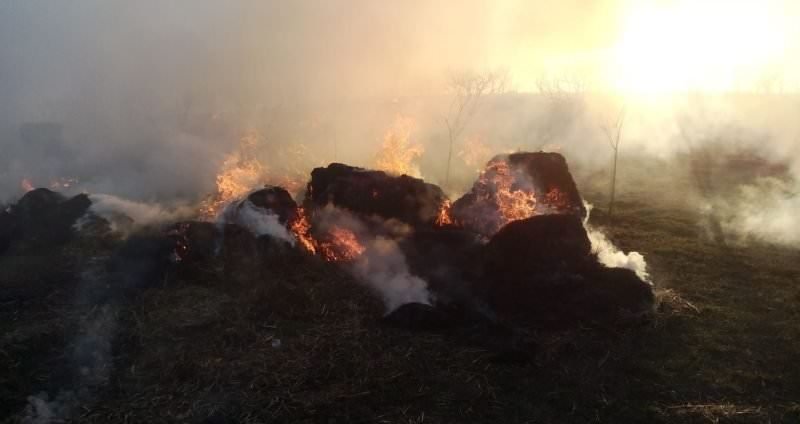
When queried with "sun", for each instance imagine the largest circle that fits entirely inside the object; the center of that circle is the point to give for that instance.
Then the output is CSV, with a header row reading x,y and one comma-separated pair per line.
x,y
706,45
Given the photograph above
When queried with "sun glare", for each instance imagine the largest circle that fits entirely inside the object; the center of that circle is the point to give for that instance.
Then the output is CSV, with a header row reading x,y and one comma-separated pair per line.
x,y
711,45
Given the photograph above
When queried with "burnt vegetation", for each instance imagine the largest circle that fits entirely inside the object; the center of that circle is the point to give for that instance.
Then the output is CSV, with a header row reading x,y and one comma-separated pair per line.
x,y
209,323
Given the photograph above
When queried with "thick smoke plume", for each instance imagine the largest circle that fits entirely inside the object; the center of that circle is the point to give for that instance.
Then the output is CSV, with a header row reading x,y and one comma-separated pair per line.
x,y
609,255
383,267
126,215
380,263
766,211
258,221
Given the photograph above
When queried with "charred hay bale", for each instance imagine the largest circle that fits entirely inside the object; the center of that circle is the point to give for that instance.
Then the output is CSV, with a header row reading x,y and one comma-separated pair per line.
x,y
37,202
366,193
518,186
551,174
446,258
239,248
277,200
544,242
140,262
541,271
611,294
248,258
42,218
9,230
194,241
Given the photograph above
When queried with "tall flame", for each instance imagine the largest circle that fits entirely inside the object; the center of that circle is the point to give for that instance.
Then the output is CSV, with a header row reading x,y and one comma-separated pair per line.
x,y
399,154
240,173
443,217
475,153
300,227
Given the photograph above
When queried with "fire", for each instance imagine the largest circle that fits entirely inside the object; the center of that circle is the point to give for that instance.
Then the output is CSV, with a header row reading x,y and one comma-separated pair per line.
x,y
338,244
498,184
300,227
515,204
342,245
292,162
444,218
399,154
475,153
26,185
557,199
240,173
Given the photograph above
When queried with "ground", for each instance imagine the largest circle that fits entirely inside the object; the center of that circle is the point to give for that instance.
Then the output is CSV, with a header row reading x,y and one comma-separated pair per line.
x,y
303,343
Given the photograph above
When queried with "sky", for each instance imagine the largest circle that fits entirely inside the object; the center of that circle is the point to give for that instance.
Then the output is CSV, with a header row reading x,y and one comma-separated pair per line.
x,y
151,93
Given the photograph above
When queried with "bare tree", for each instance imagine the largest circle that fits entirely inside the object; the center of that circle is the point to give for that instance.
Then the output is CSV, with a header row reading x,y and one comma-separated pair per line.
x,y
468,88
613,134
564,102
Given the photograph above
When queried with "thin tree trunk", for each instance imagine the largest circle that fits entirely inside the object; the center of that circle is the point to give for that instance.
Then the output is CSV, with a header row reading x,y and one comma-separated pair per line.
x,y
449,157
613,184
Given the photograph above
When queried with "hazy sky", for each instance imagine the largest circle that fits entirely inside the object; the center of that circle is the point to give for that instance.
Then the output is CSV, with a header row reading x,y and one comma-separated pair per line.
x,y
122,75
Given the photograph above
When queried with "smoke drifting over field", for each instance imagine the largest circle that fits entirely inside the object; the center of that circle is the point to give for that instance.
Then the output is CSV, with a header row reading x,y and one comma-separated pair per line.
x,y
146,100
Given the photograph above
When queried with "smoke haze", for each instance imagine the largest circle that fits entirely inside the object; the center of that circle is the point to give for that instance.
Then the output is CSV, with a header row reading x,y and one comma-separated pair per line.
x,y
146,99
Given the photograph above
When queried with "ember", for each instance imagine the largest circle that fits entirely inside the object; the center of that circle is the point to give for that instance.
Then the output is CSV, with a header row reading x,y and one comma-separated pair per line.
x,y
340,245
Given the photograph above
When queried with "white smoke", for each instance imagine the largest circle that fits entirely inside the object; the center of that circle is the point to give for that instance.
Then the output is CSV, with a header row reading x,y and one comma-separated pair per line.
x,y
766,211
125,214
383,267
609,255
43,410
257,220
90,355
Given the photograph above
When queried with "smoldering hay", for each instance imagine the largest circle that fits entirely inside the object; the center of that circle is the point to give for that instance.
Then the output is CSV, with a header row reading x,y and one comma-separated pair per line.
x,y
515,248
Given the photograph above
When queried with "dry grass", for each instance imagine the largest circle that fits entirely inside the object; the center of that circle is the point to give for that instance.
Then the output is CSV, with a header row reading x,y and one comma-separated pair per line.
x,y
301,342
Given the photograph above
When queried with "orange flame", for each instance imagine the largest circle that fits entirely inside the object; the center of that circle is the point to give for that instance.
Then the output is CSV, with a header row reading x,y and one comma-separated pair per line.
x,y
240,173
300,227
399,154
444,218
475,153
557,199
343,245
513,203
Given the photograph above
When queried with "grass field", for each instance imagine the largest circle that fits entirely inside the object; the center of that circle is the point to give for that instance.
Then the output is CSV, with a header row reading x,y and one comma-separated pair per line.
x,y
290,343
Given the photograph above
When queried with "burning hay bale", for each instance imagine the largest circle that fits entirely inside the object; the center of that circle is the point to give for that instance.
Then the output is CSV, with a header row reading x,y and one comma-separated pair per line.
x,y
366,193
270,211
518,186
275,200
